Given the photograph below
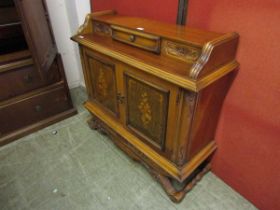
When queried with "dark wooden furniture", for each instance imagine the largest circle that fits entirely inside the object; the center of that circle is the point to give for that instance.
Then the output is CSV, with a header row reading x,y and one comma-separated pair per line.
x,y
157,90
34,92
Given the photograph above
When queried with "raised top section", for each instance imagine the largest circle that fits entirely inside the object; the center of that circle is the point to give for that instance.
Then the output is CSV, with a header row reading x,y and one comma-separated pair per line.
x,y
191,58
176,32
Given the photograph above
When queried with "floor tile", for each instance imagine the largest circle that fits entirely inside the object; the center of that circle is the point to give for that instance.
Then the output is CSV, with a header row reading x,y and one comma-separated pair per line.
x,y
69,166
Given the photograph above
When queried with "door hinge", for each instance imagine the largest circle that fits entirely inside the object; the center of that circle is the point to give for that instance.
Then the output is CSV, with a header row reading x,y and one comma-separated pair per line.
x,y
120,98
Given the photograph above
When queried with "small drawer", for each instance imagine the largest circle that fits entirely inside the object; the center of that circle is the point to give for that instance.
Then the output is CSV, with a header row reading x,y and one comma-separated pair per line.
x,y
22,113
18,80
142,40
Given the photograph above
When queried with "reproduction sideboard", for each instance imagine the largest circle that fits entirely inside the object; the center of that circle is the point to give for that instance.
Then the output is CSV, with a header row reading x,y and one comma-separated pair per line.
x,y
156,90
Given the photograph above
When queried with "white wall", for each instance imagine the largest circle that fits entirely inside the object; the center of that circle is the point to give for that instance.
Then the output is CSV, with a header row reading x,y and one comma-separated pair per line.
x,y
83,8
66,16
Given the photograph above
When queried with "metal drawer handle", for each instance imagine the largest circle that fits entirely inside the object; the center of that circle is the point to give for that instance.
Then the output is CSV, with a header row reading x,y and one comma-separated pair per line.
x,y
28,78
38,108
132,38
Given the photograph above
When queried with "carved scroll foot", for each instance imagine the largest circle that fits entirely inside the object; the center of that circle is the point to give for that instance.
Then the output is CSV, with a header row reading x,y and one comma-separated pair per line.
x,y
95,124
174,189
175,194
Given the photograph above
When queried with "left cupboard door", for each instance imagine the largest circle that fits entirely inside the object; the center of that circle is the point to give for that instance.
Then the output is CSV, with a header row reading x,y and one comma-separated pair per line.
x,y
101,79
37,31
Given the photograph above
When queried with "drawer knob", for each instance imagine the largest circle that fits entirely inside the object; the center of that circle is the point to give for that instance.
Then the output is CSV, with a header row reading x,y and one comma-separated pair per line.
x,y
38,108
27,78
132,38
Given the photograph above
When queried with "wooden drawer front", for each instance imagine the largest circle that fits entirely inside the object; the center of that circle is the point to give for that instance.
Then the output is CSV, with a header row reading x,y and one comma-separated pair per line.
x,y
18,81
145,41
103,83
32,110
147,113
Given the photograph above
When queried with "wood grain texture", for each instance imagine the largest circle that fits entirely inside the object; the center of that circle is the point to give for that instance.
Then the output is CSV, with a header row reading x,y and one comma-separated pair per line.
x,y
168,103
146,110
34,91
196,60
37,32
103,79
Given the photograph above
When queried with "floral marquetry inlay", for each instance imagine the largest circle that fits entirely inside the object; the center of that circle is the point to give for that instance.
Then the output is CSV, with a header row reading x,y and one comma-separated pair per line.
x,y
102,28
102,87
181,51
147,107
145,110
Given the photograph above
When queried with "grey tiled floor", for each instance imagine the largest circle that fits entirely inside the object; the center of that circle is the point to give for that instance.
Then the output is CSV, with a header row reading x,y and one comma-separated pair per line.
x,y
80,169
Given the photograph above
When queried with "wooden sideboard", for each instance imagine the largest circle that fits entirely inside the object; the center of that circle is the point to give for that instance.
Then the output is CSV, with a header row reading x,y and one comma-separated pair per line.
x,y
34,91
157,90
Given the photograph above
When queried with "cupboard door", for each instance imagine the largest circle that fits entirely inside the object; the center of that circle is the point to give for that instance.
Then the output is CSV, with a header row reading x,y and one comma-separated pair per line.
x,y
102,82
147,109
37,32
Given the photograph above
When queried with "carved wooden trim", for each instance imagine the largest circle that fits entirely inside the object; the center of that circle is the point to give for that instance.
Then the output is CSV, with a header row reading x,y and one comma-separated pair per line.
x,y
86,27
174,194
96,124
197,68
102,28
154,158
138,64
180,51
161,176
83,27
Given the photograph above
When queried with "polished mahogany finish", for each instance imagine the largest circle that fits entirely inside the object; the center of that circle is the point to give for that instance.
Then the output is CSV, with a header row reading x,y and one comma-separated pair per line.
x,y
34,92
157,90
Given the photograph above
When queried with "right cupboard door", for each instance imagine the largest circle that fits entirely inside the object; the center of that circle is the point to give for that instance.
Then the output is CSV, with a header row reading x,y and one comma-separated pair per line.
x,y
150,106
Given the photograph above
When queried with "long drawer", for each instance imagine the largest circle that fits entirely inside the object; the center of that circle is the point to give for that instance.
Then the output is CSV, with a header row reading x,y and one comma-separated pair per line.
x,y
19,77
18,80
33,109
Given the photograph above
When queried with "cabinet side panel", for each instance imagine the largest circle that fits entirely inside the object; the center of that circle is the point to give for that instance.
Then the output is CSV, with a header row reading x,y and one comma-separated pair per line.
x,y
206,116
36,28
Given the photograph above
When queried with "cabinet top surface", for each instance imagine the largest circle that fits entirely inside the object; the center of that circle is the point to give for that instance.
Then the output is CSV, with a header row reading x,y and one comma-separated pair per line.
x,y
191,58
172,31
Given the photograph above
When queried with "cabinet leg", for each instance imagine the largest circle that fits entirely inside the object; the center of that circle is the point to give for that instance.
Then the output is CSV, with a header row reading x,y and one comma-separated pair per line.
x,y
92,123
95,124
174,189
175,194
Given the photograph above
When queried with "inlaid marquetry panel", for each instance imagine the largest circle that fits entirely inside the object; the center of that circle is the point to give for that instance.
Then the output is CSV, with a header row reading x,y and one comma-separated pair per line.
x,y
102,28
147,107
179,51
103,86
